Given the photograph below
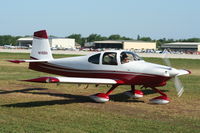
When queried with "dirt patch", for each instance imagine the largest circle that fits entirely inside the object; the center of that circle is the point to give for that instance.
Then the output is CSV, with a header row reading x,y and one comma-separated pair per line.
x,y
195,72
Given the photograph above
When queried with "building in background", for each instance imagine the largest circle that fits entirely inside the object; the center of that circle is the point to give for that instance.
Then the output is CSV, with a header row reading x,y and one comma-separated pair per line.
x,y
59,43
185,47
25,42
62,43
124,44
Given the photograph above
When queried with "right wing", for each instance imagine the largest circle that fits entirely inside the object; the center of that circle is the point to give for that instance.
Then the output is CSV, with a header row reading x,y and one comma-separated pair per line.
x,y
75,80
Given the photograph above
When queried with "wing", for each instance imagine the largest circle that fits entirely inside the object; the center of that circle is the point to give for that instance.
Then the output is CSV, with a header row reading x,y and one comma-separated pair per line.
x,y
74,80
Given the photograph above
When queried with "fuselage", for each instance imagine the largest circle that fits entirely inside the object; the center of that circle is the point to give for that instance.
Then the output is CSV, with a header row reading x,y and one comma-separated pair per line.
x,y
135,71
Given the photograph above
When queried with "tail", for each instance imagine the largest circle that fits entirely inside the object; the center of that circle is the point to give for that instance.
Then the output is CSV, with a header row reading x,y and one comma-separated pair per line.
x,y
40,46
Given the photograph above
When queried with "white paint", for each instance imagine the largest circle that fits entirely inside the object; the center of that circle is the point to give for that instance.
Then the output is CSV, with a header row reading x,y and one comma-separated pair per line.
x,y
130,94
159,101
41,49
98,99
86,80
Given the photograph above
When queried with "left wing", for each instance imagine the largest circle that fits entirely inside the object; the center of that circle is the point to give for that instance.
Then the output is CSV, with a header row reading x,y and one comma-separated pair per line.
x,y
74,80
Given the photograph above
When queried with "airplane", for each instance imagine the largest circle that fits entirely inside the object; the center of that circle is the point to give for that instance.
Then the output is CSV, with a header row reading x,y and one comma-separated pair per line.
x,y
115,68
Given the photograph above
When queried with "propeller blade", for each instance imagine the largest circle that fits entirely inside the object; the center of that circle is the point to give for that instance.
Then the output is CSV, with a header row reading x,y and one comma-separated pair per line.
x,y
177,83
179,86
166,60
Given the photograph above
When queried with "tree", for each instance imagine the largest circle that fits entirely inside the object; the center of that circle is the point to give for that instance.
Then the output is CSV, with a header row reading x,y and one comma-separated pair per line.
x,y
8,40
125,38
95,37
192,40
158,44
146,39
138,37
114,37
52,36
77,38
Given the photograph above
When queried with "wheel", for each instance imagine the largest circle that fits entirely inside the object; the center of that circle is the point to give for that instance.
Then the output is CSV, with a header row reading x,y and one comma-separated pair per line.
x,y
138,94
160,100
100,97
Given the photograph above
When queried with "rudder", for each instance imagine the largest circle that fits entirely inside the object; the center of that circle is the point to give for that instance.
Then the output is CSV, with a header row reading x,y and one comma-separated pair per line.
x,y
40,47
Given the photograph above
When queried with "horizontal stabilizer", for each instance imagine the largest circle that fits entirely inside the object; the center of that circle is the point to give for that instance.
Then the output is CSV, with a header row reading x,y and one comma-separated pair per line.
x,y
22,61
73,80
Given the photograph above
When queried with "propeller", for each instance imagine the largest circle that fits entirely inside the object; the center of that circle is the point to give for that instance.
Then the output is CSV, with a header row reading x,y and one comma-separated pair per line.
x,y
179,86
177,83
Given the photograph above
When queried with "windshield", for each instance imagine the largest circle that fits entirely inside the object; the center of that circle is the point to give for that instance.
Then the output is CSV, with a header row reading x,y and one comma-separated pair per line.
x,y
129,56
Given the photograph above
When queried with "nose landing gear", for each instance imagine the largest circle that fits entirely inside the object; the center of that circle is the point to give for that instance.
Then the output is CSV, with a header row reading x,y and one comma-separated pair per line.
x,y
160,99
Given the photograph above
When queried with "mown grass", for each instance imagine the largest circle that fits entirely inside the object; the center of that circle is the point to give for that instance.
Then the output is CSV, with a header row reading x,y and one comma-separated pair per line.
x,y
31,107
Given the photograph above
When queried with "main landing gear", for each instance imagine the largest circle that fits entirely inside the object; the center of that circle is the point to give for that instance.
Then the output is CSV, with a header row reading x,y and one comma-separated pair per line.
x,y
133,93
104,97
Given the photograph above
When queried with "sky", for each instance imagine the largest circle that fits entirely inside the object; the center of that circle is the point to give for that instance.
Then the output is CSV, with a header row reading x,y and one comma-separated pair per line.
x,y
176,19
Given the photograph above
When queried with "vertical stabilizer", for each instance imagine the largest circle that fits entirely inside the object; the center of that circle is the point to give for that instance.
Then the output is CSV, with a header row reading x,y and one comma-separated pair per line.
x,y
40,46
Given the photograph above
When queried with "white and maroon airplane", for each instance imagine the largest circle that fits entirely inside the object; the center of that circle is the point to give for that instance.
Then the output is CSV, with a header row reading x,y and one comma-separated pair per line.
x,y
109,67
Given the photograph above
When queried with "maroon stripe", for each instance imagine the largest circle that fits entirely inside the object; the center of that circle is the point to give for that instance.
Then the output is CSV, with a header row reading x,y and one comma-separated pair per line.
x,y
41,34
128,78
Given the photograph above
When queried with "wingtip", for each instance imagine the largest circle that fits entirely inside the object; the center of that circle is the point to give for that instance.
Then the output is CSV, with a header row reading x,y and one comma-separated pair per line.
x,y
43,80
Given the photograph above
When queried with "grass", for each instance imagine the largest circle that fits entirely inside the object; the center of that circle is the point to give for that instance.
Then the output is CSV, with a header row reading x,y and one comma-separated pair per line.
x,y
40,108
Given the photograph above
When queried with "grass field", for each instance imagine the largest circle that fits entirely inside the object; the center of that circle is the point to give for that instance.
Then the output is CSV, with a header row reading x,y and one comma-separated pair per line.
x,y
39,108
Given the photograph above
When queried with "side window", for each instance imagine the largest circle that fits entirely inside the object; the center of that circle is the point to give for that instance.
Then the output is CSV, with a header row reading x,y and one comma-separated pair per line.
x,y
128,57
109,58
94,59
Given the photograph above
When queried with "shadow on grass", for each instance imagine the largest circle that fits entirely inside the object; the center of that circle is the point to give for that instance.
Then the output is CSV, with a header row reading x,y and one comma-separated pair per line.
x,y
150,91
71,98
121,97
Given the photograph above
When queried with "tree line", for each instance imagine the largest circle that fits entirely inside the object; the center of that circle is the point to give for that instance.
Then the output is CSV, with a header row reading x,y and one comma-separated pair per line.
x,y
12,40
96,37
8,40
